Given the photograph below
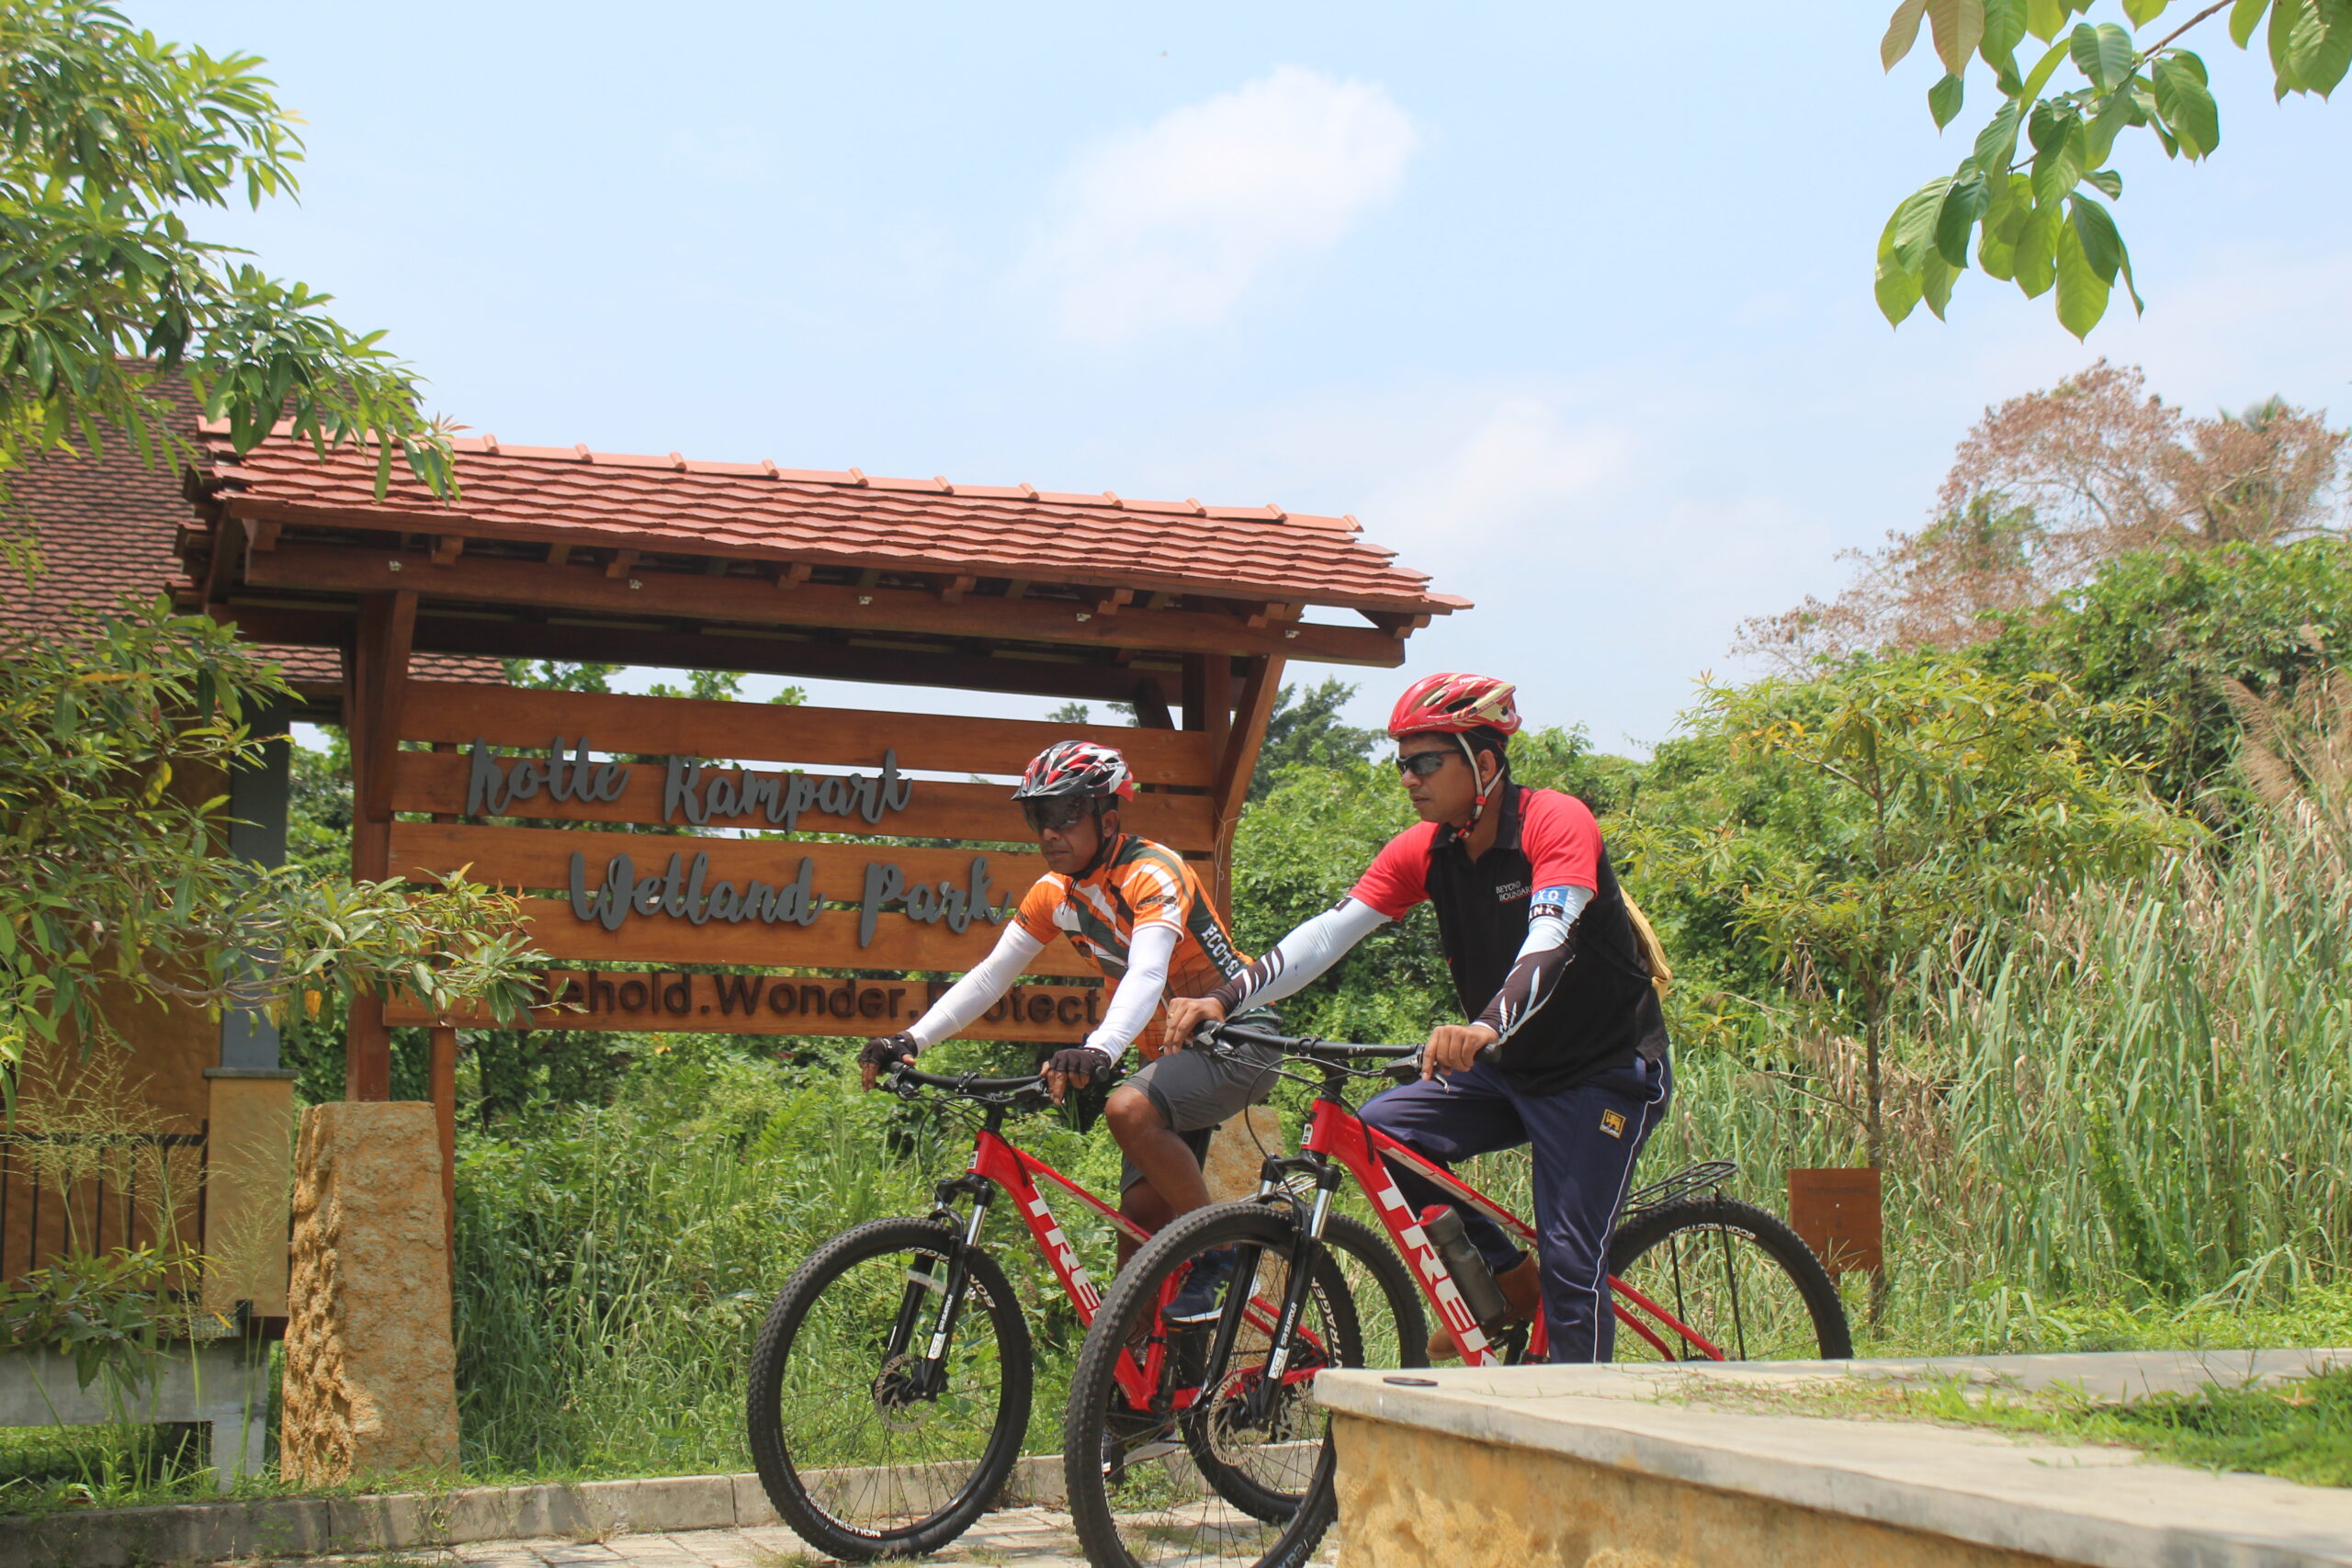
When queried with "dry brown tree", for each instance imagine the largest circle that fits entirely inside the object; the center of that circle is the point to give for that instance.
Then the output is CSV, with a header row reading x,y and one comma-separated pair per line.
x,y
2047,486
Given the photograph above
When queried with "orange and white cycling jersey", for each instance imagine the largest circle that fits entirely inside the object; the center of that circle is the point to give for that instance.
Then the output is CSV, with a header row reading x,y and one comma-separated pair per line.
x,y
1138,884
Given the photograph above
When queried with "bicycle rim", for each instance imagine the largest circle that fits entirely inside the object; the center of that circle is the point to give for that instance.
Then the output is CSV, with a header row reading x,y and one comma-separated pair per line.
x,y
858,1455
1206,1476
1723,1276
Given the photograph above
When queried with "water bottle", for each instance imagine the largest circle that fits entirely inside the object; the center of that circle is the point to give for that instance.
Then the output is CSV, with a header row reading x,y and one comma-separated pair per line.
x,y
1442,1225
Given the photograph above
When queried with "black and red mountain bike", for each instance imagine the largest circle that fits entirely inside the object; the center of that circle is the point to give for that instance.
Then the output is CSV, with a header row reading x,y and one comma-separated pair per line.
x,y
890,1384
1694,1275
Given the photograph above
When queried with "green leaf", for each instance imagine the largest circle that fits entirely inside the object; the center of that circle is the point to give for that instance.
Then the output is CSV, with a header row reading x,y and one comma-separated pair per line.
x,y
1964,203
1943,100
1902,32
2106,180
1914,225
2286,15
2103,53
2044,17
2142,12
2037,251
2320,45
2003,30
1996,144
1896,286
2185,104
2095,226
2082,292
2245,16
2115,111
1934,284
1958,26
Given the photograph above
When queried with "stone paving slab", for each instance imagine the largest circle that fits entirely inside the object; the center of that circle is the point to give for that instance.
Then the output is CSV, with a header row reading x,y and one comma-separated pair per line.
x,y
2074,1503
1018,1538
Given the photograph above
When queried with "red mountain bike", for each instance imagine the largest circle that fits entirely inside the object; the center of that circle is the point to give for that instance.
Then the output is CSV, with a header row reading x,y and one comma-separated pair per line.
x,y
1694,1275
890,1383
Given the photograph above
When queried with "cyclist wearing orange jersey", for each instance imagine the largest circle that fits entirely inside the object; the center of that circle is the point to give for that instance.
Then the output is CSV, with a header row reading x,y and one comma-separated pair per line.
x,y
1139,914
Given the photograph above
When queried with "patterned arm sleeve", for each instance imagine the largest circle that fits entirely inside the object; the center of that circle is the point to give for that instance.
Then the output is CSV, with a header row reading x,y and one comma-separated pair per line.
x,y
1542,959
978,990
1299,957
1137,994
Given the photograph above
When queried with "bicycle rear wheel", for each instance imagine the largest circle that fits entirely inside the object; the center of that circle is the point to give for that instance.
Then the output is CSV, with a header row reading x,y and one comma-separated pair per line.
x,y
1733,1278
1216,1466
857,1456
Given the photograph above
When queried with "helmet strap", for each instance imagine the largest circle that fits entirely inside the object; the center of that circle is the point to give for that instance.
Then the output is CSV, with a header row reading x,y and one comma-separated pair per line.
x,y
1480,809
1102,840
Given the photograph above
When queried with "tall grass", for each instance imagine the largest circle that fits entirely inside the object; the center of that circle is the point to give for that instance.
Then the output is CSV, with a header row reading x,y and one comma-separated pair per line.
x,y
2126,1120
614,1263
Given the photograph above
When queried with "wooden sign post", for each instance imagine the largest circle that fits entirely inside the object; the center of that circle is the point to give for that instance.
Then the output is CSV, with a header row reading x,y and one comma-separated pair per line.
x,y
1838,1213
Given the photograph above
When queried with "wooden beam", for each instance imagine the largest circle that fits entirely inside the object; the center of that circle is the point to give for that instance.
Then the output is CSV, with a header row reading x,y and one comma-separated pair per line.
x,y
845,738
1151,706
378,693
1238,762
447,548
618,567
793,573
481,579
955,588
262,535
951,669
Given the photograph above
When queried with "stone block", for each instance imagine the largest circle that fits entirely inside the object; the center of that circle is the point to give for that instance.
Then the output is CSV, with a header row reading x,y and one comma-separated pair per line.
x,y
371,1368
1235,1152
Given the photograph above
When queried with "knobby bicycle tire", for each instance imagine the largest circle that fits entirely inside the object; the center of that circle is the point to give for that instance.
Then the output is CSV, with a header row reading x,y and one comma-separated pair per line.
x,y
1643,1232
990,1301
1134,1297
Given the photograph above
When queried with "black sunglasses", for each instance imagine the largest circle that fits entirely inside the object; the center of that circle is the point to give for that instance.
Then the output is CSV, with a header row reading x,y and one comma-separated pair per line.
x,y
1421,764
1059,814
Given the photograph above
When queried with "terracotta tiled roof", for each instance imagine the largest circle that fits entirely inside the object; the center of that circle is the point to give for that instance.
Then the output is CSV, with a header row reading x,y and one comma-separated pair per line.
x,y
106,527
844,518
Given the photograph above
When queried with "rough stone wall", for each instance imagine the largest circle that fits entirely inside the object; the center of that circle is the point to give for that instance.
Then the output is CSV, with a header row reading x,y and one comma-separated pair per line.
x,y
370,1371
1410,1499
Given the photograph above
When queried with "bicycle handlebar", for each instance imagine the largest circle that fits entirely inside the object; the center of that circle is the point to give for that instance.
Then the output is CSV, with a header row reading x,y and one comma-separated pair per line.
x,y
963,1083
1323,1050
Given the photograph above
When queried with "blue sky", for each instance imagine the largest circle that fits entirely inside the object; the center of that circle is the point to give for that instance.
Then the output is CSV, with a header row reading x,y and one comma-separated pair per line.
x,y
1570,304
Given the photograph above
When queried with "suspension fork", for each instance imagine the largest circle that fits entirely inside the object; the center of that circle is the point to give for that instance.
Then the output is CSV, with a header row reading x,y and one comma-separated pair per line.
x,y
1306,1254
960,1281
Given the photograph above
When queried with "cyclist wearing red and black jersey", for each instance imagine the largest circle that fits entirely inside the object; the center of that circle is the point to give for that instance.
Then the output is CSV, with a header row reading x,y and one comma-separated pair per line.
x,y
1135,911
1545,960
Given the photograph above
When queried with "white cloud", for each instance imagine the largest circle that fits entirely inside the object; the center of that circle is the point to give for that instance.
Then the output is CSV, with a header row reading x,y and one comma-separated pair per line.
x,y
1168,226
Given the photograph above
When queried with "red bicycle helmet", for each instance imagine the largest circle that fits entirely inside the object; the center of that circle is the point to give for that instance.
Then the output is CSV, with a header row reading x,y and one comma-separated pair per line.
x,y
1454,705
1076,768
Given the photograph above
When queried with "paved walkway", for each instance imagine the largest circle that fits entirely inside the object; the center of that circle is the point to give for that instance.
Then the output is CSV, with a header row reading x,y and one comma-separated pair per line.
x,y
1028,1538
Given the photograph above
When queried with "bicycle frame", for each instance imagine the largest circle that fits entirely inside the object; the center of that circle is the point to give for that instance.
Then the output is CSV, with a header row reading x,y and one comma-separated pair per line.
x,y
998,1165
1336,1133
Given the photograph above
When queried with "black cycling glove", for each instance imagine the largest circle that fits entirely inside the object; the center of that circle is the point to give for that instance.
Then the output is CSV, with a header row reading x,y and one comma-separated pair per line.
x,y
888,1052
1089,1061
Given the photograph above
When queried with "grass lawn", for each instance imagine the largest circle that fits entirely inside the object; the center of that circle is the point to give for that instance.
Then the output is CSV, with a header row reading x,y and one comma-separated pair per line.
x,y
2301,1430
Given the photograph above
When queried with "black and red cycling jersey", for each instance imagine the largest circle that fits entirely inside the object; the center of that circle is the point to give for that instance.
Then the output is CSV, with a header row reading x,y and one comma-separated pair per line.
x,y
1573,1004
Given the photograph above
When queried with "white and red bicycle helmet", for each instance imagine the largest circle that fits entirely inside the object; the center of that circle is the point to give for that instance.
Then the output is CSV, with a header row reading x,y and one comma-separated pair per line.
x,y
1076,768
1455,705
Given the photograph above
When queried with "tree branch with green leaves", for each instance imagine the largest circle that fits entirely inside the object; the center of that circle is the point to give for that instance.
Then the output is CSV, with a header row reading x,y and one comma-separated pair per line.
x,y
2025,202
108,137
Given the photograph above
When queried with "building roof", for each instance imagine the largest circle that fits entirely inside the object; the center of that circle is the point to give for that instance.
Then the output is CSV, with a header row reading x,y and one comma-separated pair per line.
x,y
107,527
820,518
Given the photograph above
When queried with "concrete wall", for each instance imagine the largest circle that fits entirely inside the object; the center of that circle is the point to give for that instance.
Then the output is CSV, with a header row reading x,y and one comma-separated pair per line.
x,y
1410,1499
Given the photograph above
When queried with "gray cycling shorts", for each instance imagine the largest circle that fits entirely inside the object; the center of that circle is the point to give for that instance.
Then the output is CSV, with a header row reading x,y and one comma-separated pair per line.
x,y
1194,1092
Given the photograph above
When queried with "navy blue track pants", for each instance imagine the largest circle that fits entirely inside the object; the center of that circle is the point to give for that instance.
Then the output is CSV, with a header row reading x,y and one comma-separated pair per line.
x,y
1583,1139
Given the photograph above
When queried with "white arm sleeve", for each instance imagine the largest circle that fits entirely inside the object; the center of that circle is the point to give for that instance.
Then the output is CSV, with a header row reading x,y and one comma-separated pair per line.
x,y
977,991
1313,947
1138,991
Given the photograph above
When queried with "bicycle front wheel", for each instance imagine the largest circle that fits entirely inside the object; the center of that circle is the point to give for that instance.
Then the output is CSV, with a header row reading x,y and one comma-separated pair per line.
x,y
1711,1276
1176,1454
862,1452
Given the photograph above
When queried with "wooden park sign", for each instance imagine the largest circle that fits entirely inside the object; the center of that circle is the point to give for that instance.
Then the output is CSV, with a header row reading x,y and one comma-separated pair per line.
x,y
633,845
